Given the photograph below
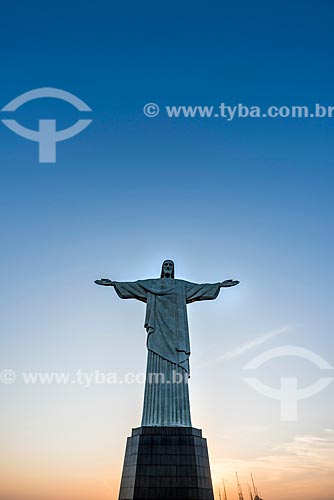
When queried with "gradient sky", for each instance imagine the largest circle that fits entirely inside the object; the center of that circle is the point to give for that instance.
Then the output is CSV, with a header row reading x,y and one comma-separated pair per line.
x,y
248,199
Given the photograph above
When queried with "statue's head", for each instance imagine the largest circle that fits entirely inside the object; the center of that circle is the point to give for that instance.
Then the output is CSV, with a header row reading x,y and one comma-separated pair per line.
x,y
167,269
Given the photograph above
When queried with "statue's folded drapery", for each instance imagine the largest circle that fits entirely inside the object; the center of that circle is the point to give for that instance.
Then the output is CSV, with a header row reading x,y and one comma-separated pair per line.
x,y
166,313
166,399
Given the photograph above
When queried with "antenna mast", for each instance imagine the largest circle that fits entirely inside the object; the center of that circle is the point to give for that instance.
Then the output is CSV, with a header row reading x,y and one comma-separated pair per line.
x,y
240,495
254,487
225,496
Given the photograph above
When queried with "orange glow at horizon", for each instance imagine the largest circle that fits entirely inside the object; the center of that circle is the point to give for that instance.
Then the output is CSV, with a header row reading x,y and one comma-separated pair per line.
x,y
302,471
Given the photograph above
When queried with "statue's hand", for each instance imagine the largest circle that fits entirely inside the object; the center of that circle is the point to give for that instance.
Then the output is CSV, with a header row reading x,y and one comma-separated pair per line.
x,y
228,283
104,282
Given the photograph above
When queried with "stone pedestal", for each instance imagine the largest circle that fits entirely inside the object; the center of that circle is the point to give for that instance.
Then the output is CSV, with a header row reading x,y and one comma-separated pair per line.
x,y
163,463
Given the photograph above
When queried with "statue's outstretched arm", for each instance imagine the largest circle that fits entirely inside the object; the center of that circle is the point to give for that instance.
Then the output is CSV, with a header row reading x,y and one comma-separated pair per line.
x,y
126,289
228,283
105,282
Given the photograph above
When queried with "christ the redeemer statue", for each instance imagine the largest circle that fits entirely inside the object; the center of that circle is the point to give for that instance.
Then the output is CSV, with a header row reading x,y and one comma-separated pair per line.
x,y
166,399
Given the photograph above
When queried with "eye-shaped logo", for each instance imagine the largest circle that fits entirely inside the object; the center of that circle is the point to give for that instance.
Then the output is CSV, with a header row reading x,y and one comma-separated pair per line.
x,y
47,136
288,393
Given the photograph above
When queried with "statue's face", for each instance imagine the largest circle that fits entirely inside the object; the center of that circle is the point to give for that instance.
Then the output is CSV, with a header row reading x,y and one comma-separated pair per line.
x,y
168,267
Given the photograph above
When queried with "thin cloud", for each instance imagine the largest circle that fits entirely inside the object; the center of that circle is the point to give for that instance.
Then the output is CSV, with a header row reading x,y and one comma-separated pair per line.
x,y
254,343
300,469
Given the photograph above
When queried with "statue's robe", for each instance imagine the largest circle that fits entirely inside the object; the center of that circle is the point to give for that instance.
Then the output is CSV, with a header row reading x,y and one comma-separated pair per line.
x,y
168,343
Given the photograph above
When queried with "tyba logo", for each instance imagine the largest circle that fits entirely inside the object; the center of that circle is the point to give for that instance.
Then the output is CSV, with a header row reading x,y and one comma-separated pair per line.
x,y
47,136
289,393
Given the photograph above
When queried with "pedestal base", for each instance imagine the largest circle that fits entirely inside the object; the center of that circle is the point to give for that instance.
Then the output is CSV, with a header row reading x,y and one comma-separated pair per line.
x,y
163,463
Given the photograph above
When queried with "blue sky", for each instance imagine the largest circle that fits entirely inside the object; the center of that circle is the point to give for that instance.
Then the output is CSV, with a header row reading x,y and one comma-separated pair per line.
x,y
248,199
